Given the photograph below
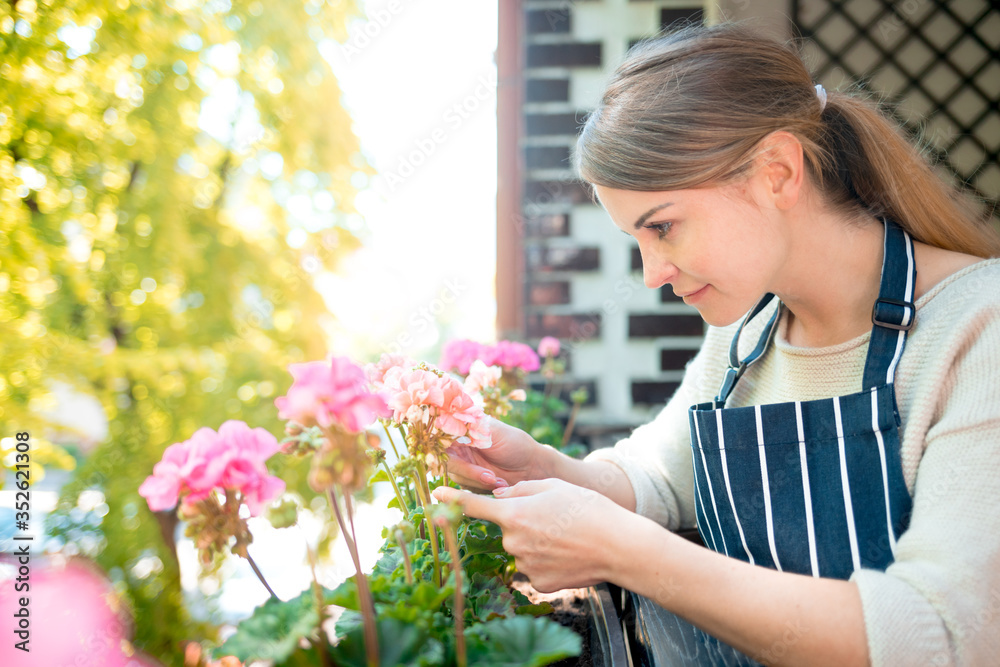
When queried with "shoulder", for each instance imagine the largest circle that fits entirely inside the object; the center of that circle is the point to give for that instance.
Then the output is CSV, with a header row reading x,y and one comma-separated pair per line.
x,y
945,384
957,314
937,266
971,290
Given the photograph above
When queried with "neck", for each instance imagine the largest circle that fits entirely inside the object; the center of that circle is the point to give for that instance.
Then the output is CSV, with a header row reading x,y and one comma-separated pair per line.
x,y
832,279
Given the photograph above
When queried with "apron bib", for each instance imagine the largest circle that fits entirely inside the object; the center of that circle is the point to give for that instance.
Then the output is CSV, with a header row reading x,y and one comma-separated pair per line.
x,y
811,487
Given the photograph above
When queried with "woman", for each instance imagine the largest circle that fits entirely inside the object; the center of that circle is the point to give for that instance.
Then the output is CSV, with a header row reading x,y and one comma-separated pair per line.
x,y
844,476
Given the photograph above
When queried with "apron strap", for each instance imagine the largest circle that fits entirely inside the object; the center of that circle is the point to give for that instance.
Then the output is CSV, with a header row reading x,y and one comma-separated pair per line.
x,y
894,312
737,366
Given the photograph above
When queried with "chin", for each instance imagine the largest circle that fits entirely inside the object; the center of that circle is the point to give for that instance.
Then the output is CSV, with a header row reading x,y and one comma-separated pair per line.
x,y
718,319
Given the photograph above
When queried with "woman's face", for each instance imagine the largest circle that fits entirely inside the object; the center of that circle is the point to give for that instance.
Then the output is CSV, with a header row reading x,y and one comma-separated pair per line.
x,y
716,249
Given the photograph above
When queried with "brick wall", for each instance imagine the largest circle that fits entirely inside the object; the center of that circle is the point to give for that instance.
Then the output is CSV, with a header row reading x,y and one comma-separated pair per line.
x,y
581,278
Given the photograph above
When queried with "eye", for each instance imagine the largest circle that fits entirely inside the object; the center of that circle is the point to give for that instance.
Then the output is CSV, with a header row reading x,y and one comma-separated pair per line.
x,y
661,228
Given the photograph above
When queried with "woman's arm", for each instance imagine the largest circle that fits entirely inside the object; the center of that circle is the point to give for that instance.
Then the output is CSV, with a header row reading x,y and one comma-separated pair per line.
x,y
566,536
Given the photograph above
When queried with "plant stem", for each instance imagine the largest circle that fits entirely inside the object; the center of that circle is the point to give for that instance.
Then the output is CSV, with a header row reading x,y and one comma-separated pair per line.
x,y
364,593
395,487
459,608
402,433
570,424
401,541
385,427
320,642
260,575
425,502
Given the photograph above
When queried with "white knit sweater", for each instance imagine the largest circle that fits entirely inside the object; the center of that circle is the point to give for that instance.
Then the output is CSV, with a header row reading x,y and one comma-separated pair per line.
x,y
939,602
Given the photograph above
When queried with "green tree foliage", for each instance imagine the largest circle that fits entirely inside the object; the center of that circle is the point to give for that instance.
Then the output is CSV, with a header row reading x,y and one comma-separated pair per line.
x,y
172,173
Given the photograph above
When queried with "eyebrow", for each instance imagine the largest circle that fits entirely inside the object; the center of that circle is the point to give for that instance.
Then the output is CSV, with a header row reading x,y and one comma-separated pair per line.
x,y
645,216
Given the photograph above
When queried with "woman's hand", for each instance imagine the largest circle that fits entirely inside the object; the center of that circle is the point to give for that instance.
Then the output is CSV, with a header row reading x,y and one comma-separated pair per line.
x,y
560,534
513,457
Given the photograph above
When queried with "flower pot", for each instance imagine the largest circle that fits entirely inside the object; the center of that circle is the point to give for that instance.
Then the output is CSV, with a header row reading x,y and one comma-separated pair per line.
x,y
607,641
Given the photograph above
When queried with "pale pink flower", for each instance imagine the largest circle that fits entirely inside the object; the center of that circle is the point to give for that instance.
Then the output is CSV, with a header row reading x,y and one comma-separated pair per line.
x,y
458,410
232,458
376,372
440,402
548,347
331,392
482,376
419,390
458,355
518,395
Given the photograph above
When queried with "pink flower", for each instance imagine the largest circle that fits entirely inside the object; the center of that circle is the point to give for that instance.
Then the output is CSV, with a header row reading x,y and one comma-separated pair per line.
x,y
331,392
482,376
511,355
376,372
424,397
458,355
548,347
458,411
419,390
162,488
232,458
85,623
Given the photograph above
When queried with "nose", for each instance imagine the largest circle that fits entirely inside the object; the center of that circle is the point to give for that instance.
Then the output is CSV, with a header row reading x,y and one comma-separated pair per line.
x,y
656,271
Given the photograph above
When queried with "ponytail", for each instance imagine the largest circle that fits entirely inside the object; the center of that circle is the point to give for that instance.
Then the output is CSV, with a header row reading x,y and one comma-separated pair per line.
x,y
866,162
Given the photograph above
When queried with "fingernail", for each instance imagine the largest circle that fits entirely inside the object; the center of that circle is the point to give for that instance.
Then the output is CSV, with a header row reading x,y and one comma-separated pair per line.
x,y
502,482
500,490
488,478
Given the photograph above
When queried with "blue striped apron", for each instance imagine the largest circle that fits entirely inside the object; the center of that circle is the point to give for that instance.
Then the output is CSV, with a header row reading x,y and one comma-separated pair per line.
x,y
811,487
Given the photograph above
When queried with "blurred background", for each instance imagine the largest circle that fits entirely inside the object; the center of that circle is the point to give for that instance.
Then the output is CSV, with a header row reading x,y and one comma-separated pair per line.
x,y
195,193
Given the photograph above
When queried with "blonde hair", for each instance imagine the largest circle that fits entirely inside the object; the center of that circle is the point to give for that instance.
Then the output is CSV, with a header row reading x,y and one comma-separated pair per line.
x,y
689,110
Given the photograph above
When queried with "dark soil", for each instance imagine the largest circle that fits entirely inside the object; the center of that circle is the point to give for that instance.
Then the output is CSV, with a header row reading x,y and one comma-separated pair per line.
x,y
571,610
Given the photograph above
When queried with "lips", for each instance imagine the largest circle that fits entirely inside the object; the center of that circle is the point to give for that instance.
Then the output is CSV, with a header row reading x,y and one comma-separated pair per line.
x,y
684,295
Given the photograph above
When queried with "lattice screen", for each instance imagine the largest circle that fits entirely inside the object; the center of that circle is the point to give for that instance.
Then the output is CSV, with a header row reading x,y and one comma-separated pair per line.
x,y
937,62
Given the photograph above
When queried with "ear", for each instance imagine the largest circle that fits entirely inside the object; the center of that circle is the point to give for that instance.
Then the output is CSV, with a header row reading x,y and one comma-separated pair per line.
x,y
779,170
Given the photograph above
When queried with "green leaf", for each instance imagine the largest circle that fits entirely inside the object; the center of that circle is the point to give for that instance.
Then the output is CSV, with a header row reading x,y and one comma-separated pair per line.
x,y
536,610
399,644
379,476
301,658
274,629
392,558
482,537
522,641
489,598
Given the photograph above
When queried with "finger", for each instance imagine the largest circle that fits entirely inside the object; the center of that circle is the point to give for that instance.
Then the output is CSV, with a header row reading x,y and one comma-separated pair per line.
x,y
474,505
525,488
471,475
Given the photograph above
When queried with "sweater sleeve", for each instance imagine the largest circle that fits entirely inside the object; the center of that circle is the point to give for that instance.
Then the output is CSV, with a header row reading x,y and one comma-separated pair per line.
x,y
939,602
656,457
